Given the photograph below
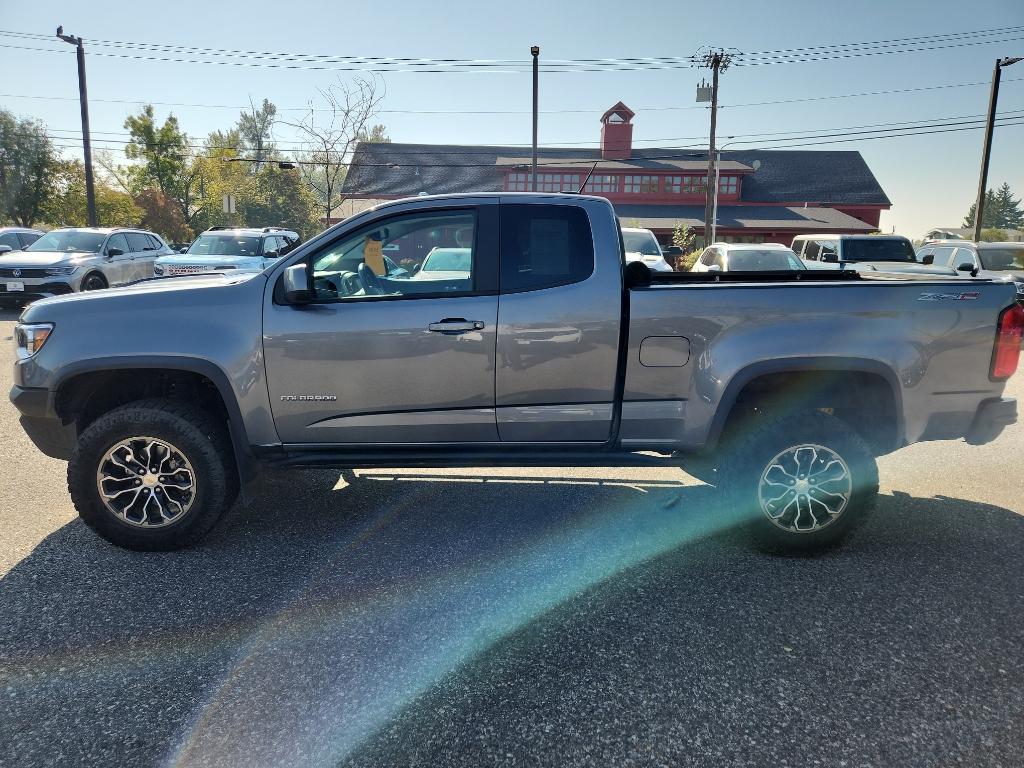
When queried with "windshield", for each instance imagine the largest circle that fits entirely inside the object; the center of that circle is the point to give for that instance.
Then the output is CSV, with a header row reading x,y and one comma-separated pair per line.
x,y
751,261
69,240
453,260
878,249
225,245
1001,259
644,243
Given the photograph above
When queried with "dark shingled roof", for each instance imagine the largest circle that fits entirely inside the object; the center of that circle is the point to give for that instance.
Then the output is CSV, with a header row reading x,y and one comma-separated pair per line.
x,y
782,176
758,217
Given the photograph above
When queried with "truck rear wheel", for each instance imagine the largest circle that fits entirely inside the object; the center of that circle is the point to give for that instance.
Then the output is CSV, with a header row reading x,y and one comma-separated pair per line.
x,y
152,475
800,484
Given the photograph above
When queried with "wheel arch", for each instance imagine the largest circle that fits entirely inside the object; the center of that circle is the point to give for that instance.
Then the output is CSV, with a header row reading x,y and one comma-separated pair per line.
x,y
747,380
69,398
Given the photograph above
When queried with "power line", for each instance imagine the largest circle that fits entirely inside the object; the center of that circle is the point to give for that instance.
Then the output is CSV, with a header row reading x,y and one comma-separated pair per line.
x,y
799,141
496,148
827,97
429,65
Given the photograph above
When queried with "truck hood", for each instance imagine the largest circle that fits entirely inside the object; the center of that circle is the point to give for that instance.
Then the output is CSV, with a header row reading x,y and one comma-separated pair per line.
x,y
36,259
160,285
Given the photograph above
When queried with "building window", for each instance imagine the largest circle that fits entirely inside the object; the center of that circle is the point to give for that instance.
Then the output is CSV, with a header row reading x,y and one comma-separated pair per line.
x,y
602,184
684,185
728,185
640,185
546,182
519,182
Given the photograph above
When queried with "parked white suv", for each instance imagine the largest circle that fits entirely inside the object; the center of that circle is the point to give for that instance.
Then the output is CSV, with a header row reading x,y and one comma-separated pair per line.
x,y
747,257
241,249
642,245
79,259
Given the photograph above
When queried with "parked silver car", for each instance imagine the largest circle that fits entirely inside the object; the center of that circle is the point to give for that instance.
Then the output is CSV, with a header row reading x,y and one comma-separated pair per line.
x,y
79,259
17,238
747,257
997,261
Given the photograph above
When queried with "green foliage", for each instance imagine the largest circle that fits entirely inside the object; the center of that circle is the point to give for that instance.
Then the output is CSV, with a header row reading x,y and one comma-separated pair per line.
x,y
280,198
683,237
993,236
685,263
254,129
1002,210
162,152
66,204
26,159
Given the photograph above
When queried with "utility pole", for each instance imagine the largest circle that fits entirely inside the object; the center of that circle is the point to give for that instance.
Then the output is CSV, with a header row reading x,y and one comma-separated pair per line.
x,y
717,61
986,151
535,52
83,97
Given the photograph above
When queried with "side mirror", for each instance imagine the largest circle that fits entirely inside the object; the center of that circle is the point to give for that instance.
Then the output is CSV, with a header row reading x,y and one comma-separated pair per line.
x,y
416,268
928,259
5,249
271,254
673,250
965,267
296,284
715,268
183,250
114,252
830,258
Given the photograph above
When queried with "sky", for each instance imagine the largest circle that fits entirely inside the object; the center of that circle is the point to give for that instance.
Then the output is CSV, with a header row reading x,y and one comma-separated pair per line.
x,y
931,179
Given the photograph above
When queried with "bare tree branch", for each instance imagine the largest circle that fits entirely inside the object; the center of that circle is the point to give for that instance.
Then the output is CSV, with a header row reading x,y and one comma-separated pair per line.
x,y
329,140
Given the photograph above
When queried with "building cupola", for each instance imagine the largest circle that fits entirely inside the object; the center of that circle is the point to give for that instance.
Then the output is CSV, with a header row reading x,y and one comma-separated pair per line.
x,y
617,133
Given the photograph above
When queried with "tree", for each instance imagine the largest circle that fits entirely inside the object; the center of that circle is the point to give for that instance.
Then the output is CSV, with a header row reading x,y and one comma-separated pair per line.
x,y
255,129
163,153
1010,214
26,160
162,215
993,236
328,141
66,205
281,198
1002,210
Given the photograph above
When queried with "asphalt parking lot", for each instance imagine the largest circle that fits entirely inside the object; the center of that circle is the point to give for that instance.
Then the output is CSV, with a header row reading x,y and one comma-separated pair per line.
x,y
516,617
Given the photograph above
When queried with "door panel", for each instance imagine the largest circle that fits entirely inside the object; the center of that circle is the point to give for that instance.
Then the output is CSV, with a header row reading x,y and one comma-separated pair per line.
x,y
117,269
558,345
141,257
380,359
393,380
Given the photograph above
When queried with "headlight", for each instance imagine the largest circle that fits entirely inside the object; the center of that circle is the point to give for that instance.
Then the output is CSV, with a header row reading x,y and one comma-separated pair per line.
x,y
157,269
60,270
31,337
1020,287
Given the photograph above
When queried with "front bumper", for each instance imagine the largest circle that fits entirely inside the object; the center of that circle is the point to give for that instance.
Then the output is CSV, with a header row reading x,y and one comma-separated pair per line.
x,y
36,288
991,418
41,423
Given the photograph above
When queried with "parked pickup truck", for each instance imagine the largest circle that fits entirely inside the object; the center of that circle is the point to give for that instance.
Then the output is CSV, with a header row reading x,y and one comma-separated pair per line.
x,y
170,396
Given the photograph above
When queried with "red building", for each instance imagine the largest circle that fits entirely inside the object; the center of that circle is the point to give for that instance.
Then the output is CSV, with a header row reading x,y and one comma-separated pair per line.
x,y
764,195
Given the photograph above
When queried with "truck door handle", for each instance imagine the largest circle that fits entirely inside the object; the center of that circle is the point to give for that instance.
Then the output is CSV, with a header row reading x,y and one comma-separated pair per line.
x,y
456,325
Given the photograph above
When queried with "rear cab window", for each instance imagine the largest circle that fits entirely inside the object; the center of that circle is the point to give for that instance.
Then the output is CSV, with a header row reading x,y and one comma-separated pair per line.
x,y
543,246
880,249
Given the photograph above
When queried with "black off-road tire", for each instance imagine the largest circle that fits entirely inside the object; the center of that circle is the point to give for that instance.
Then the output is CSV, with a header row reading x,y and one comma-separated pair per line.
x,y
201,438
746,456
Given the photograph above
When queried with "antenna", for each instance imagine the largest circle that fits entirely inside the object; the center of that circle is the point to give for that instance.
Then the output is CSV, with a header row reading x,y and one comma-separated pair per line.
x,y
589,174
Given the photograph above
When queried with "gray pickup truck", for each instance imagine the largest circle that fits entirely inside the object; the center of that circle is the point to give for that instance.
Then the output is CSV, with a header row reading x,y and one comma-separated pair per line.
x,y
541,347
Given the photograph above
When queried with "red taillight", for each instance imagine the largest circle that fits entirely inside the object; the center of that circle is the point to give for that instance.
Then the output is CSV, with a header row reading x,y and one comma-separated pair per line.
x,y
1008,339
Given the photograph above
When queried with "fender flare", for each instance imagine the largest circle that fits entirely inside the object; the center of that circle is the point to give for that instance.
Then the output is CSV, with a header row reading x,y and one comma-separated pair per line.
x,y
797,365
245,461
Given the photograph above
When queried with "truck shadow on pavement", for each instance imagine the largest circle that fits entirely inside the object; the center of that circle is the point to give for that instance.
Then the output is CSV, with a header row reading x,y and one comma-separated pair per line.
x,y
465,619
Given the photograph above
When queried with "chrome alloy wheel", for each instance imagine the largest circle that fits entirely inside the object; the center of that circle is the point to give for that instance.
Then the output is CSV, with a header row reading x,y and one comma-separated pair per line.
x,y
805,488
146,481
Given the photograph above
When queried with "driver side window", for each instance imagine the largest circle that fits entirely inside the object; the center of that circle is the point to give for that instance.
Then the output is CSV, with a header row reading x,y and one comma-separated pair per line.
x,y
422,253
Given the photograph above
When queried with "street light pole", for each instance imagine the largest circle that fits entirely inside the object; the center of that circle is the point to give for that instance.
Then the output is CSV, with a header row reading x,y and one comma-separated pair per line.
x,y
83,97
535,52
986,151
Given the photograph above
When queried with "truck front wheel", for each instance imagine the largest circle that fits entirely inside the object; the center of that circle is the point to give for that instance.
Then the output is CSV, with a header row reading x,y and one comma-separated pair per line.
x,y
798,484
152,475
